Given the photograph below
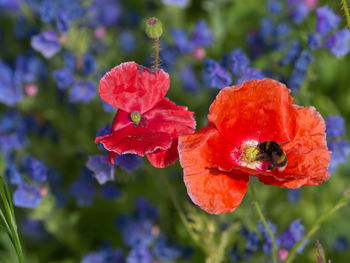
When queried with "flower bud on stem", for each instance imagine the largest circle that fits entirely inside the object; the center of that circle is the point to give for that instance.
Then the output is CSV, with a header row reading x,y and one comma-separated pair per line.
x,y
154,30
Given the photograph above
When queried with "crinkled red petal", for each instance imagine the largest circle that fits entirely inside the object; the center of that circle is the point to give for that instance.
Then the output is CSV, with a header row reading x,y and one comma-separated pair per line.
x,y
259,110
131,87
164,158
213,190
135,140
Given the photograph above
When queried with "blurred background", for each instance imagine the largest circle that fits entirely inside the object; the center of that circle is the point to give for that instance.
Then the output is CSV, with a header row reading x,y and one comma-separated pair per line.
x,y
72,206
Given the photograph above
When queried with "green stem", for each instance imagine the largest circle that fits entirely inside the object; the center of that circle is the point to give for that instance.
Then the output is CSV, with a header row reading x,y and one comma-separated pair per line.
x,y
315,226
156,53
262,218
9,218
346,11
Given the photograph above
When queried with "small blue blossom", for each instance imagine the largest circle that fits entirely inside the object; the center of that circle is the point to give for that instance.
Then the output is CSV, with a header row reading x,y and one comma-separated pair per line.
x,y
327,20
188,79
168,57
252,241
63,78
110,192
139,254
128,162
340,243
105,12
35,169
102,170
340,151
292,235
11,91
237,62
293,195
164,252
145,211
182,43
202,35
83,91
314,41
34,229
267,246
127,42
339,43
216,76
89,64
299,12
179,3
12,175
27,196
83,189
304,60
46,43
249,74
69,61
28,68
296,79
137,233
292,53
274,7
62,22
335,126
11,5
47,10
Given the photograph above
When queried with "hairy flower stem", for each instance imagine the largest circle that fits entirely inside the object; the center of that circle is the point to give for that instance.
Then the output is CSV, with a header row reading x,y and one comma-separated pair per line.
x,y
315,226
179,210
156,53
346,11
262,218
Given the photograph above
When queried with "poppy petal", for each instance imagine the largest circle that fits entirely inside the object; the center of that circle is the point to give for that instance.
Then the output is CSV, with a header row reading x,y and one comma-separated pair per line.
x,y
167,117
259,110
214,191
135,140
164,158
131,87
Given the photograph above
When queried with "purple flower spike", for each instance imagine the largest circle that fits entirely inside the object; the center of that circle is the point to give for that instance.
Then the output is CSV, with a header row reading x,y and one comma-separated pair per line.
x,y
63,78
102,169
46,43
327,20
128,162
202,35
36,170
249,74
139,255
338,43
215,75
335,126
293,234
27,196
340,151
82,91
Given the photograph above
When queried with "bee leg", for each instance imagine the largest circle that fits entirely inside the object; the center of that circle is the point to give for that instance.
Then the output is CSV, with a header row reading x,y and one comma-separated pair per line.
x,y
259,157
271,166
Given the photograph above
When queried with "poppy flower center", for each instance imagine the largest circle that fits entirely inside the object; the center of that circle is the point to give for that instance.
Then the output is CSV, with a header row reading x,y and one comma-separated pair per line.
x,y
135,116
246,155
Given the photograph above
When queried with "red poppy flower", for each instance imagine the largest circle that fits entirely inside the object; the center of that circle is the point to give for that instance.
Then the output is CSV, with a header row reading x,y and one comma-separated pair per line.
x,y
219,158
146,123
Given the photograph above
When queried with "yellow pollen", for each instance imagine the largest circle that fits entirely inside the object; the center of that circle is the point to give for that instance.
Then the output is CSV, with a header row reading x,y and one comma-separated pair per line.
x,y
248,154
135,116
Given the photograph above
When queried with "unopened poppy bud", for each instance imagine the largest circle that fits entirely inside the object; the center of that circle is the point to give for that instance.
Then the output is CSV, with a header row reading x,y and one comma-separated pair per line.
x,y
135,116
154,28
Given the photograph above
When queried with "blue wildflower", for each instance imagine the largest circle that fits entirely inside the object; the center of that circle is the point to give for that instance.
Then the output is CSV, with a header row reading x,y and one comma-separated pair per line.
x,y
47,10
127,42
168,57
274,7
293,195
299,12
267,246
335,126
139,254
282,29
340,244
216,76
128,162
188,79
202,35
63,78
103,131
83,189
28,68
314,41
304,60
46,43
35,169
105,12
62,22
237,62
82,91
249,74
12,175
182,43
26,196
339,43
110,192
89,64
11,92
11,5
102,170
327,20
296,79
108,107
292,235
165,252
137,233
292,53
145,211
340,151
69,61
179,3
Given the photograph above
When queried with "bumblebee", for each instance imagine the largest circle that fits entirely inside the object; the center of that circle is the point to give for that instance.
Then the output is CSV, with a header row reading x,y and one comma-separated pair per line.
x,y
271,152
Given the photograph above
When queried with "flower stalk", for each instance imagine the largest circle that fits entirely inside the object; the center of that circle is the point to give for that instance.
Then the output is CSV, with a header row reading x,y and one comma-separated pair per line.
x,y
154,30
346,12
